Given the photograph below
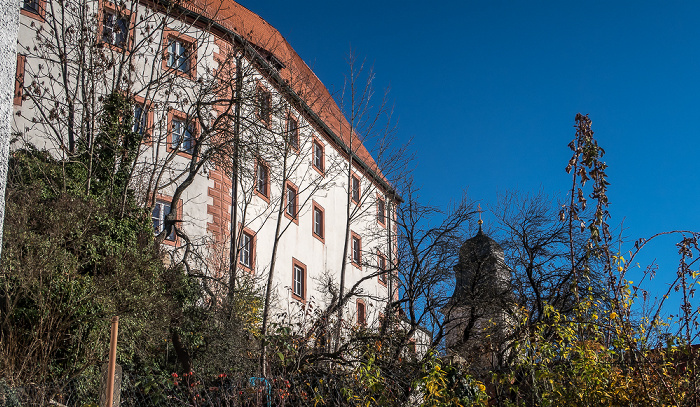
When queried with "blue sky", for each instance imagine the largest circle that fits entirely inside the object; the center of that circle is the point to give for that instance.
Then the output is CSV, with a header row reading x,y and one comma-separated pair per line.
x,y
488,91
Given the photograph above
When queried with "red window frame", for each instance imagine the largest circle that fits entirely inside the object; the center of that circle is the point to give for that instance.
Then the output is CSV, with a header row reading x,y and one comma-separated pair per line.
x,y
148,109
318,208
361,312
293,136
19,80
355,252
381,211
353,180
317,145
262,95
253,243
289,186
381,267
39,15
264,195
113,8
168,199
297,264
189,43
181,116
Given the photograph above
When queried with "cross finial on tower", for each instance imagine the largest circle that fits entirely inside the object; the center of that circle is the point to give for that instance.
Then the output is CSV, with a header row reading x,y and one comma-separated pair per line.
x,y
481,222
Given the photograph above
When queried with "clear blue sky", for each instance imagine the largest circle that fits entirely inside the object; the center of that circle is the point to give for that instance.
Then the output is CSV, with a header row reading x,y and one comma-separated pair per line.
x,y
488,91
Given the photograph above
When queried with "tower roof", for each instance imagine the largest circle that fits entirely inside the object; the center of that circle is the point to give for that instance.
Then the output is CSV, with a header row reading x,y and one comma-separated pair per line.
x,y
480,263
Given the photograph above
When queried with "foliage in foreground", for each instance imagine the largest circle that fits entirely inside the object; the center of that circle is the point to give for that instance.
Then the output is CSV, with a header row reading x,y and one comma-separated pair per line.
x,y
78,250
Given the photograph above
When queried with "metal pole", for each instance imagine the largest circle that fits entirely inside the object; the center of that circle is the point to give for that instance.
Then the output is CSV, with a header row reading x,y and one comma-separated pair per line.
x,y
112,362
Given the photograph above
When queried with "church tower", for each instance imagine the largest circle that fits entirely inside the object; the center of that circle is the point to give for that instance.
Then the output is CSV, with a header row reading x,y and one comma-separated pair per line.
x,y
478,316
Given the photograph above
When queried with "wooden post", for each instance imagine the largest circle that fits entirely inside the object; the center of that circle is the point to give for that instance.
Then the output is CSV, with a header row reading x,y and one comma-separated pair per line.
x,y
112,362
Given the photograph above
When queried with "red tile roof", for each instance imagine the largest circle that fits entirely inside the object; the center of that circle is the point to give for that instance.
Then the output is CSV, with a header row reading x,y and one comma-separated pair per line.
x,y
296,73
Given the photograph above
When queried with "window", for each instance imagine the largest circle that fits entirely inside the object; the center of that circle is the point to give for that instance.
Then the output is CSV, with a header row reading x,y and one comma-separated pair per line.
x,y
115,28
182,135
19,80
318,221
381,212
31,5
298,280
291,207
33,8
318,156
361,313
355,189
140,119
293,133
180,53
356,245
264,104
381,265
160,211
246,250
262,179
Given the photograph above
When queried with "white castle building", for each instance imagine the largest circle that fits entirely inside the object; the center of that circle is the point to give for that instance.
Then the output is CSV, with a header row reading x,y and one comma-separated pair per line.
x,y
243,150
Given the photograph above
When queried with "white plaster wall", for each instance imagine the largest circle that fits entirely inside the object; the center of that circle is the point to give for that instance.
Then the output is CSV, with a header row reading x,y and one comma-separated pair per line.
x,y
320,258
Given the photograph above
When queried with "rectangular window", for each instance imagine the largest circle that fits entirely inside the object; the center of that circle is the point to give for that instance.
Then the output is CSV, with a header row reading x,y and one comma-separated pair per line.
x,y
140,119
356,249
381,212
318,222
293,133
298,285
19,80
32,6
262,179
381,265
318,155
298,280
245,250
115,28
179,55
355,189
264,104
160,211
361,313
292,202
182,135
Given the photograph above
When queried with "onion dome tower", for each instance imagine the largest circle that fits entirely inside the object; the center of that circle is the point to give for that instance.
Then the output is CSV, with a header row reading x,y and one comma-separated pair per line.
x,y
477,316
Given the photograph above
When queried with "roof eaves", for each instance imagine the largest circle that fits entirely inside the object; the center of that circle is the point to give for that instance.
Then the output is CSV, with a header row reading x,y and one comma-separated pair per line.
x,y
274,74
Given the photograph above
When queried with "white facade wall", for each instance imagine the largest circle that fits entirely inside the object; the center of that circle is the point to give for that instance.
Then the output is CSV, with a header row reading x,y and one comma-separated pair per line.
x,y
322,259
